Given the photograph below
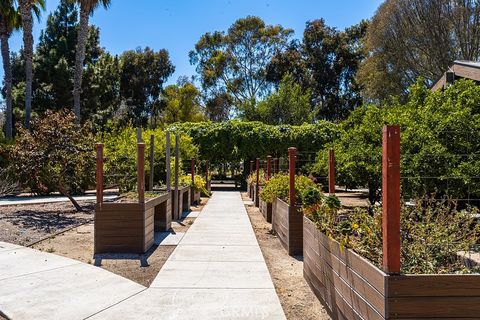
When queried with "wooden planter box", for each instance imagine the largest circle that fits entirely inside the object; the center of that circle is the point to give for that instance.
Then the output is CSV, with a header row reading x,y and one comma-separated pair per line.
x,y
249,190
194,197
353,288
129,227
252,191
183,201
266,210
287,223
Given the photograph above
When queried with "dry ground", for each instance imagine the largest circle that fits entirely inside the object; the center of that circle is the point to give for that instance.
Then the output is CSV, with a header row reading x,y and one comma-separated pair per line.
x,y
297,300
26,224
77,243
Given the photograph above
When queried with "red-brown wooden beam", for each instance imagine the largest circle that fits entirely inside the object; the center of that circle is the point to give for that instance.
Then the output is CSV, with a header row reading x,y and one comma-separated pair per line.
x,y
331,171
257,166
391,199
269,167
141,172
292,154
99,173
206,171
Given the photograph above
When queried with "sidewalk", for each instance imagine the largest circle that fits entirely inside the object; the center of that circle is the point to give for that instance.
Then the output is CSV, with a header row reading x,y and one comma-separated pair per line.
x,y
216,272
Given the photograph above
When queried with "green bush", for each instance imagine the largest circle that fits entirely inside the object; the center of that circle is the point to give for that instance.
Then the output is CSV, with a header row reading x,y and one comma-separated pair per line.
x,y
57,155
121,155
440,138
252,177
278,187
199,185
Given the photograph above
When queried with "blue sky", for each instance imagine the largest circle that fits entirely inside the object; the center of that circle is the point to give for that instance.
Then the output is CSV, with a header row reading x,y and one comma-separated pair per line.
x,y
176,25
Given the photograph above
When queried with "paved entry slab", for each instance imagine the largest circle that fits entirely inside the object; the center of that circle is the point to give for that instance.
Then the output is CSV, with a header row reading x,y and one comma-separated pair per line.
x,y
40,285
216,272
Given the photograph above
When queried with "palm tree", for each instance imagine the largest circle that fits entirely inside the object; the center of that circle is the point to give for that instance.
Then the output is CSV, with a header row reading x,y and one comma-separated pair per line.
x,y
26,8
87,7
9,21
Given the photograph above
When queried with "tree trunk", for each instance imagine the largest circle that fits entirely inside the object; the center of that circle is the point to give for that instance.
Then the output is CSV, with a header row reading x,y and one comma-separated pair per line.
x,y
7,68
64,192
79,60
27,24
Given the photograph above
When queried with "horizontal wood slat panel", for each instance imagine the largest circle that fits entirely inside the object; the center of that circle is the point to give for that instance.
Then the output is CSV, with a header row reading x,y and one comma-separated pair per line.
x,y
434,286
440,307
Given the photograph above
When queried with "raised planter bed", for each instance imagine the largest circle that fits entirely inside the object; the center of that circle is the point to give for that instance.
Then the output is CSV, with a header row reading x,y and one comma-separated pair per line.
x,y
128,227
194,196
252,190
183,201
353,288
266,210
287,223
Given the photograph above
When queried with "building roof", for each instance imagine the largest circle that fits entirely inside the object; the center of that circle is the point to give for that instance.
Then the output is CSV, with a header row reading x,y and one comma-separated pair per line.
x,y
460,69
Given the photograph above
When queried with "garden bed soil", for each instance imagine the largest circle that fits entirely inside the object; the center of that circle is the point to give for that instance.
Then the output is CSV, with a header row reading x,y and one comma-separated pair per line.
x,y
297,300
27,224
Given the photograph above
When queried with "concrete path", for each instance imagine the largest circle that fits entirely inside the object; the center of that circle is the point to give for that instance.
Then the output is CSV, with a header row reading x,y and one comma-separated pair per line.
x,y
216,272
40,285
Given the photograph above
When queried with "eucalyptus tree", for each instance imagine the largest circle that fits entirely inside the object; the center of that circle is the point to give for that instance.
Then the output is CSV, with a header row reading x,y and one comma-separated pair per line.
x,y
87,7
9,21
26,9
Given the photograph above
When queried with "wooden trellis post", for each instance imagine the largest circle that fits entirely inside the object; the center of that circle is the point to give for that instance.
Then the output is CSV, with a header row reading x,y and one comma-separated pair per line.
x,y
152,164
331,171
257,185
141,172
192,170
167,162
269,167
99,173
175,196
251,166
292,154
391,199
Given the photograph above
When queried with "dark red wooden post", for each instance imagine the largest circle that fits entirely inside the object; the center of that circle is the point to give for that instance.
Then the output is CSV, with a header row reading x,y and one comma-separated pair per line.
x,y
141,172
192,169
251,166
331,171
292,153
391,199
269,167
99,173
258,171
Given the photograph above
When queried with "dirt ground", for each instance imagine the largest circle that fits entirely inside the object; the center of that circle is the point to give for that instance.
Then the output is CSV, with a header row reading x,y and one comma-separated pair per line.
x,y
77,243
297,300
26,224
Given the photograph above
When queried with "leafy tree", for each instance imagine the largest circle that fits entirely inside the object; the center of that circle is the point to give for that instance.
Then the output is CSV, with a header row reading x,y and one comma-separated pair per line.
x,y
412,38
289,105
120,152
218,107
142,75
182,103
87,7
236,62
326,62
58,155
54,61
440,142
9,21
26,8
101,90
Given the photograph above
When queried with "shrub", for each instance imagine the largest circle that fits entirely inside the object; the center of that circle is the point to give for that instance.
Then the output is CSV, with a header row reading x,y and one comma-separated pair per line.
x,y
121,155
57,155
199,185
252,177
278,187
432,233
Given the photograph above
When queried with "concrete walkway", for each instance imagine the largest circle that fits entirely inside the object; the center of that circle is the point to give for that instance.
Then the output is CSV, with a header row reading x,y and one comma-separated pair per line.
x,y
216,272
40,285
